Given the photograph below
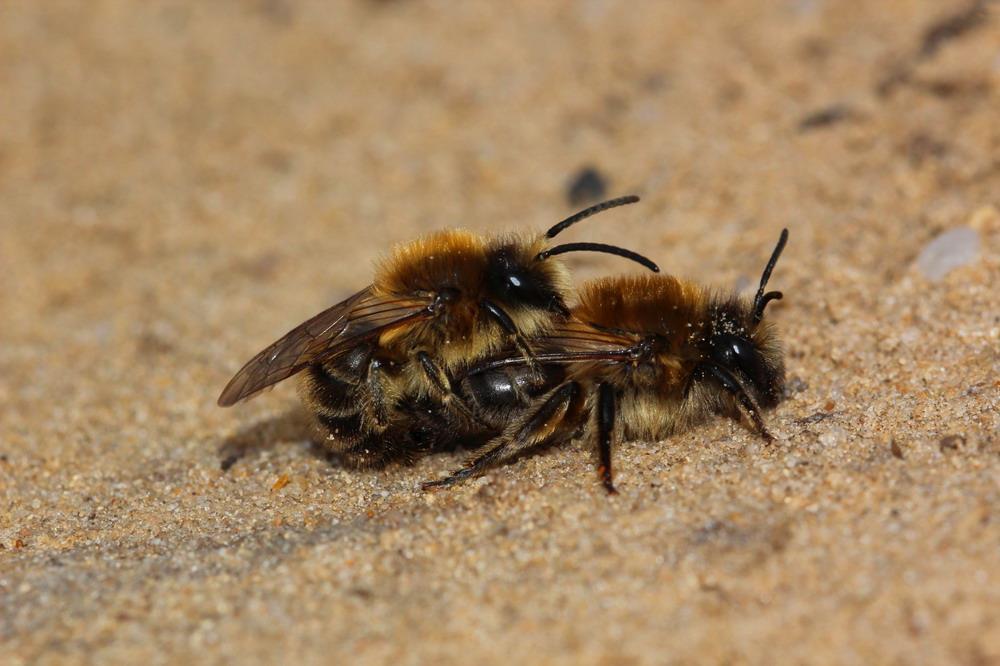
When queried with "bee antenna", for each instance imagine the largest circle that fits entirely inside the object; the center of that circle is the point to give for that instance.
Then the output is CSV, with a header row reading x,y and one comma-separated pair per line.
x,y
761,300
599,247
587,212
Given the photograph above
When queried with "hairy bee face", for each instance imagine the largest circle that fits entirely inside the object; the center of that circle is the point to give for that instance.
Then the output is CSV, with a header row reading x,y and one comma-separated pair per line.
x,y
749,351
520,280
739,356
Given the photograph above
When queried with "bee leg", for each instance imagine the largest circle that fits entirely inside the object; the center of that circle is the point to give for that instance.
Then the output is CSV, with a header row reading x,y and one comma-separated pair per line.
x,y
439,378
732,386
536,427
507,324
377,405
370,450
605,428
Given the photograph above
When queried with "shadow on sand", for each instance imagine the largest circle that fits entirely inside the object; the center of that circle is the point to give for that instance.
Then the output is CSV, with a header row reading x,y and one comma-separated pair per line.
x,y
295,425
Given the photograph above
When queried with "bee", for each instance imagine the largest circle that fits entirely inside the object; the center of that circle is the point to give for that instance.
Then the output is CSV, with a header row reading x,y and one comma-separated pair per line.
x,y
436,305
644,357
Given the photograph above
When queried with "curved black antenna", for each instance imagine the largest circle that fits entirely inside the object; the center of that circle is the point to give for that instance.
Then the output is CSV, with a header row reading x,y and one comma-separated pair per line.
x,y
587,212
758,312
599,247
761,300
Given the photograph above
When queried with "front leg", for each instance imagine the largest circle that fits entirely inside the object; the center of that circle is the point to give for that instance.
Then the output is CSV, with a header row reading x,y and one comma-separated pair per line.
x,y
507,324
731,385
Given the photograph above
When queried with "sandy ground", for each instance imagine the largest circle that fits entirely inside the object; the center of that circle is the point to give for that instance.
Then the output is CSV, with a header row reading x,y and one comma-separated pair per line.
x,y
182,182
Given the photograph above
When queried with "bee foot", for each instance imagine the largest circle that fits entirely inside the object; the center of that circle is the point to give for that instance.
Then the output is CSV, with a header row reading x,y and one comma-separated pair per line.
x,y
454,478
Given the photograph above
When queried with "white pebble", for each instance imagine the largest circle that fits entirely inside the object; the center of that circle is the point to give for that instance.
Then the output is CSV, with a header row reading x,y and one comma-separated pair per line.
x,y
952,249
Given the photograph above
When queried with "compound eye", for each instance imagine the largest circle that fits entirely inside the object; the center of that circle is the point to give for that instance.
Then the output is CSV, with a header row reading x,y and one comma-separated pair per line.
x,y
515,285
737,354
733,352
520,288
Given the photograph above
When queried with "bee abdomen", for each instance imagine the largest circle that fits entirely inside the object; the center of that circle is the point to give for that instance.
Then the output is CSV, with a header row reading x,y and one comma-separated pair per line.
x,y
342,431
330,394
501,393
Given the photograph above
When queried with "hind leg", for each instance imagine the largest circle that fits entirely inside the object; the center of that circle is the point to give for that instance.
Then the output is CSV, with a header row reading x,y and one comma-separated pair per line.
x,y
371,450
557,414
347,412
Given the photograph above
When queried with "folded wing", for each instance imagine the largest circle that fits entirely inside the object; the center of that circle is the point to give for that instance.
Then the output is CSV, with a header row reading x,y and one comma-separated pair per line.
x,y
333,331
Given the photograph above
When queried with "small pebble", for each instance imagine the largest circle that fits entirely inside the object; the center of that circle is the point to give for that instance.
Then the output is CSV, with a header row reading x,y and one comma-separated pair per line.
x,y
952,249
833,437
825,117
951,443
896,449
586,187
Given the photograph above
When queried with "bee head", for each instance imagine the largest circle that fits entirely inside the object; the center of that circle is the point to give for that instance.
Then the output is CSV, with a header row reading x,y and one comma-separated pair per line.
x,y
517,280
741,342
520,275
758,367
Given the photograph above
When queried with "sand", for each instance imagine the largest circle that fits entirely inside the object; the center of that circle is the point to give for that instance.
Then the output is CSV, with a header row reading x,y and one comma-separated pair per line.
x,y
182,182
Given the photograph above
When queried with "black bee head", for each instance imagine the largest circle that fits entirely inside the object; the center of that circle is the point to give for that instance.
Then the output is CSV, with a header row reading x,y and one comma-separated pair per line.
x,y
520,281
741,342
759,369
520,274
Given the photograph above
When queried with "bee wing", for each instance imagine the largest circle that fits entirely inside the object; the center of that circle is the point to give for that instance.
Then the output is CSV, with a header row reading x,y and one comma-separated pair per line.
x,y
571,342
361,316
575,337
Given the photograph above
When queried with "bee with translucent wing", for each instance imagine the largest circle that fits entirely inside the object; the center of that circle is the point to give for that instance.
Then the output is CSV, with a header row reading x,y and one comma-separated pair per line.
x,y
436,305
643,357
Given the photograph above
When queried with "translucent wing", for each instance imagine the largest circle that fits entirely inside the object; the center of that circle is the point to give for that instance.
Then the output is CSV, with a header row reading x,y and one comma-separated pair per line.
x,y
576,337
361,316
572,341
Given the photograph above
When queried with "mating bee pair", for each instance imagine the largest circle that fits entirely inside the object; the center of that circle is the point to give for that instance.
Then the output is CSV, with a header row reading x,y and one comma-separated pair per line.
x,y
463,339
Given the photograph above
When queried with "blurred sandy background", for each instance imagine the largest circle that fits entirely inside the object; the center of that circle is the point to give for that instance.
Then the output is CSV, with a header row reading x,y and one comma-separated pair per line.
x,y
180,183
